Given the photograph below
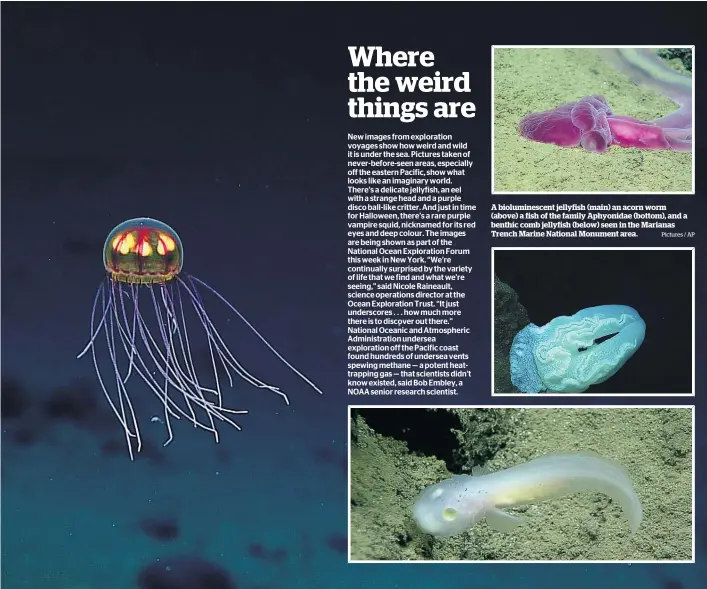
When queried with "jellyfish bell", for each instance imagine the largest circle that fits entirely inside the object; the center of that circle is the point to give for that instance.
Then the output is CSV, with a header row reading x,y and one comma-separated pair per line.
x,y
143,251
143,260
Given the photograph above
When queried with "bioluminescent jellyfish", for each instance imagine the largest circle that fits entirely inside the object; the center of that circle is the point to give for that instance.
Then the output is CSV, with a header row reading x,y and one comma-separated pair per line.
x,y
142,310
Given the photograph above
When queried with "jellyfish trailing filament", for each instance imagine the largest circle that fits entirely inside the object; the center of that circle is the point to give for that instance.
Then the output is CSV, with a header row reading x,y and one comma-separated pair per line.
x,y
141,310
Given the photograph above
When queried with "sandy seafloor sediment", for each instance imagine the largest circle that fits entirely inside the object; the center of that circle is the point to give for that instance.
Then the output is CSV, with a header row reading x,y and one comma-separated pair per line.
x,y
654,445
534,80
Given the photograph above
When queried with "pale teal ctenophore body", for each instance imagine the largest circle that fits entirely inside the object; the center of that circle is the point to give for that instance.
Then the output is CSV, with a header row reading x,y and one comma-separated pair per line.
x,y
563,356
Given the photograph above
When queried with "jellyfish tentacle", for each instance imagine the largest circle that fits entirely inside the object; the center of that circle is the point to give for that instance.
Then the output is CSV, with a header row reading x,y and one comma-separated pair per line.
x,y
120,387
226,355
132,331
183,338
213,345
256,332
130,345
182,334
97,370
189,360
174,409
168,339
145,374
95,333
193,393
168,373
221,345
175,379
150,345
123,397
168,350
167,364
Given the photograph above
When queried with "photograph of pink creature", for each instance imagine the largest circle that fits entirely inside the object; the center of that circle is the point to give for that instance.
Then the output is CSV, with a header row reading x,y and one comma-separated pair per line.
x,y
632,104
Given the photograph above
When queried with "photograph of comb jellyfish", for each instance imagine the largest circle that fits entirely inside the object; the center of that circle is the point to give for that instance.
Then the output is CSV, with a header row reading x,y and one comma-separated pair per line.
x,y
593,321
521,484
592,119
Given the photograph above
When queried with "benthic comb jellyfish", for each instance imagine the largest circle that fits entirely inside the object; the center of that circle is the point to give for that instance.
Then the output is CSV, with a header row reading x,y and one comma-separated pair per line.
x,y
143,259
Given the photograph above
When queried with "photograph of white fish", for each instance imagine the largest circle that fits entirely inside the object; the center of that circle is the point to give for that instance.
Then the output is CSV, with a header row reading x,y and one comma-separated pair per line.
x,y
521,484
453,505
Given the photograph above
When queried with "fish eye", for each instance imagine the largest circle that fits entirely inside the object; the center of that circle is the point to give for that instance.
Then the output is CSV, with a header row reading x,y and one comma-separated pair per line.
x,y
449,514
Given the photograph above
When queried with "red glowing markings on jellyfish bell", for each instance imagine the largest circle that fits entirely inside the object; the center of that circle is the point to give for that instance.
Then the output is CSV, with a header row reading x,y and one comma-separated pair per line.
x,y
139,241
